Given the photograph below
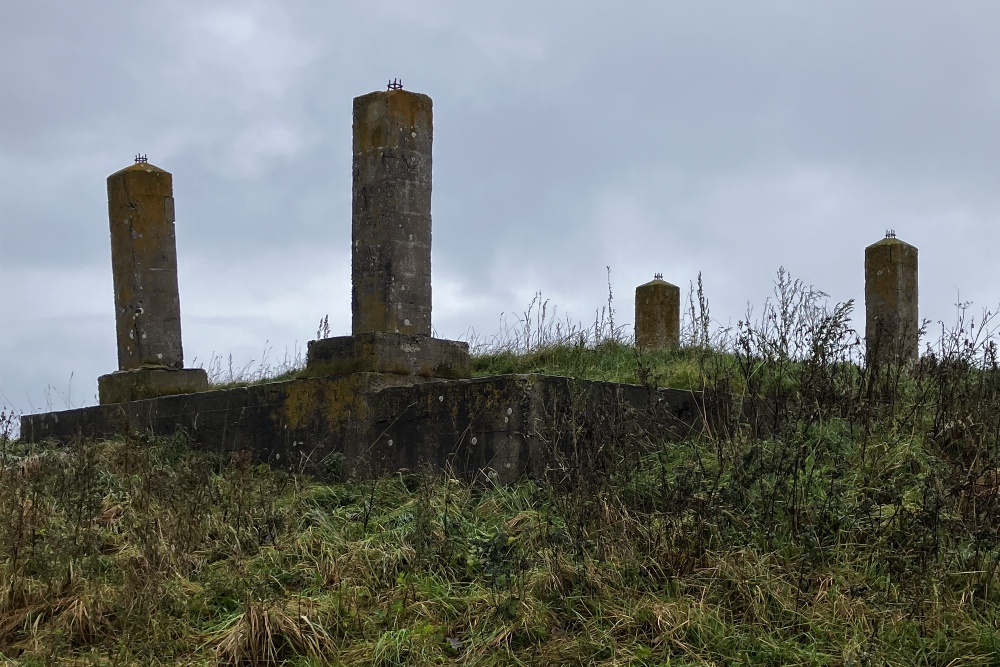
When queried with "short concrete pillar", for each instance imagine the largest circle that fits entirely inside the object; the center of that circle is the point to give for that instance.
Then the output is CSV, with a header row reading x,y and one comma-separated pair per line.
x,y
657,315
892,322
147,303
391,222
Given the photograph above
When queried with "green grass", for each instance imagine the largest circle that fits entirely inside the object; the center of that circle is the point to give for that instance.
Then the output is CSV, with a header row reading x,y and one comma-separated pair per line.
x,y
254,381
825,514
610,360
709,551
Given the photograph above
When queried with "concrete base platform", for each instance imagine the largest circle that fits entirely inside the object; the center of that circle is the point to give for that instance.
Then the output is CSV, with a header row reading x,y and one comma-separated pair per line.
x,y
143,383
503,427
396,353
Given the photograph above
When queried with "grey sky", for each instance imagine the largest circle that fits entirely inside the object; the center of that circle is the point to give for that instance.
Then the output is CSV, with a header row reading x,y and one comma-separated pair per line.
x,y
673,137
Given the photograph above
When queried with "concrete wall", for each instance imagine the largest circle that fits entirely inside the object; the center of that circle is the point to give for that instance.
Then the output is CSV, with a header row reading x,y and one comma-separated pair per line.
x,y
501,427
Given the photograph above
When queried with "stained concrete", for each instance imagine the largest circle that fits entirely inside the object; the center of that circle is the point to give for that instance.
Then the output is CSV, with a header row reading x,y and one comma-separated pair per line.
x,y
501,428
657,315
395,353
144,267
374,403
892,322
391,213
147,300
391,249
140,383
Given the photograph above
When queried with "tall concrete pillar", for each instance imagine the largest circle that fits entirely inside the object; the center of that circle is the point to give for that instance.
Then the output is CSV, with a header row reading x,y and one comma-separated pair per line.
x,y
657,315
391,222
144,267
391,250
147,303
891,316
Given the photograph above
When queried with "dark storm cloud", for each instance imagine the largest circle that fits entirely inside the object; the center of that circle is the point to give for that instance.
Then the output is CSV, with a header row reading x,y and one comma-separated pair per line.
x,y
648,136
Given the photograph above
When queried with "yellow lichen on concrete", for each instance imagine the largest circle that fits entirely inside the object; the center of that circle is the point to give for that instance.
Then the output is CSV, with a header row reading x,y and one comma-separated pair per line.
x,y
344,399
300,404
409,108
327,402
411,112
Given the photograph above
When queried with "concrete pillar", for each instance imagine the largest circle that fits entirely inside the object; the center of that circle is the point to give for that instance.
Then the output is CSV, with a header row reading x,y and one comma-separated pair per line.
x,y
147,303
657,315
891,316
144,266
391,250
391,222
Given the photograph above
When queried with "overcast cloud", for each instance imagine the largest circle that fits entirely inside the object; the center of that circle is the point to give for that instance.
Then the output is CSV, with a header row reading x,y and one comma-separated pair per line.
x,y
724,137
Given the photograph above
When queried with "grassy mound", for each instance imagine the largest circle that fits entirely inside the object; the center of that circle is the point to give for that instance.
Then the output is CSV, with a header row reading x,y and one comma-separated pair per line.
x,y
831,512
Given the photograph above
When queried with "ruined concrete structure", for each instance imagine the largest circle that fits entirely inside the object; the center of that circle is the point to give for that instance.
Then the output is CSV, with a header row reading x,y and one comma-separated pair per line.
x,y
892,324
364,424
657,315
388,396
147,302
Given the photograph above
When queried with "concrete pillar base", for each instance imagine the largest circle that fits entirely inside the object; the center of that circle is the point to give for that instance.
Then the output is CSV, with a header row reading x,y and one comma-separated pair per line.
x,y
142,383
383,352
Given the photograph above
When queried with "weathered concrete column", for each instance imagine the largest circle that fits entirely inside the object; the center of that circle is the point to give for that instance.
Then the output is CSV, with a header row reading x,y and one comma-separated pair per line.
x,y
391,249
391,223
147,303
892,322
657,314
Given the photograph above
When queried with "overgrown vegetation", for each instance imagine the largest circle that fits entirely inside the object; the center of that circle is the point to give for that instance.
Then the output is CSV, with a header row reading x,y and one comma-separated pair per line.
x,y
223,373
829,513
